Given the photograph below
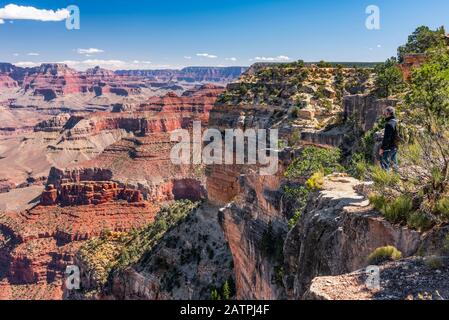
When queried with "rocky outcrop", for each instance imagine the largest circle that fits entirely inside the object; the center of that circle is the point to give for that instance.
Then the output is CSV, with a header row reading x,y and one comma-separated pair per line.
x,y
409,279
253,217
44,240
55,124
364,110
88,192
335,235
190,260
412,61
7,82
52,80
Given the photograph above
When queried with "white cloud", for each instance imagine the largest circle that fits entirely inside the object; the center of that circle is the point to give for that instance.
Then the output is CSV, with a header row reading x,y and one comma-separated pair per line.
x,y
2,21
141,62
231,59
90,51
271,59
206,55
379,46
33,54
27,64
188,57
15,54
15,12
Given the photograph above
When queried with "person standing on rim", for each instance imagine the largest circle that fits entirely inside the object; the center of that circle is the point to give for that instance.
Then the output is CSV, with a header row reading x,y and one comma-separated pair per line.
x,y
389,150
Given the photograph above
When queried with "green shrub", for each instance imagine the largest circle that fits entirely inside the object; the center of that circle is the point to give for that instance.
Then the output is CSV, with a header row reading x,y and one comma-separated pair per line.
x,y
383,254
294,138
379,202
412,153
316,181
293,220
420,221
359,167
314,159
214,295
299,195
389,78
278,276
295,112
398,210
383,179
442,207
324,64
226,291
395,211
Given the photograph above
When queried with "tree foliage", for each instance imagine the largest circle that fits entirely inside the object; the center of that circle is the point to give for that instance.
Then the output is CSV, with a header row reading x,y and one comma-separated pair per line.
x,y
312,160
389,78
421,40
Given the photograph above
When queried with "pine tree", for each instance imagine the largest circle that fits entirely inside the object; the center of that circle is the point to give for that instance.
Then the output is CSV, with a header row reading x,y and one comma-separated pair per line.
x,y
226,291
214,295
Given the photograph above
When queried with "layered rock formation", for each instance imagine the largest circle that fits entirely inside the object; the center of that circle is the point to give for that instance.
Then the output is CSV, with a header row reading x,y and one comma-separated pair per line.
x,y
53,80
7,82
189,260
86,193
190,74
287,98
143,160
338,228
43,241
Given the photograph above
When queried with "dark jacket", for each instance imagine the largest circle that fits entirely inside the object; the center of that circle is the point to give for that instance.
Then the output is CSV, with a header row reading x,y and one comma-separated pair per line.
x,y
390,137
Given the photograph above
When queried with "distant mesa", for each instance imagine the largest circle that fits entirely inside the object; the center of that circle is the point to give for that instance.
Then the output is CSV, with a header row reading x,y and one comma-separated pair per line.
x,y
52,80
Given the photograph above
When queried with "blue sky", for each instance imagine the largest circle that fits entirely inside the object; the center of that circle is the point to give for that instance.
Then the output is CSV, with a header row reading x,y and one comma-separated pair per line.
x,y
161,34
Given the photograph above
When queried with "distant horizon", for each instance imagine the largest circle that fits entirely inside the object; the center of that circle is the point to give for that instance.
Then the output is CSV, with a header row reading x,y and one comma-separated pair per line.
x,y
308,63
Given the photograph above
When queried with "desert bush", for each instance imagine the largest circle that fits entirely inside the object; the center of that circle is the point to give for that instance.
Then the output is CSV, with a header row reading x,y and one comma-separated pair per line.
x,y
214,295
299,195
395,211
384,254
420,221
446,243
295,112
398,210
442,207
384,179
379,202
316,181
411,153
314,159
359,168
